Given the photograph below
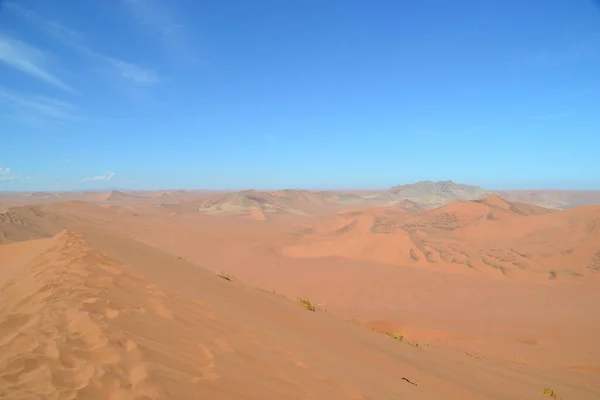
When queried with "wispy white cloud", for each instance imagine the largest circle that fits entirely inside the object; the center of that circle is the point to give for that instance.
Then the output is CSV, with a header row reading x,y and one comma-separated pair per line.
x,y
155,14
133,72
76,40
106,177
6,175
161,19
29,60
37,106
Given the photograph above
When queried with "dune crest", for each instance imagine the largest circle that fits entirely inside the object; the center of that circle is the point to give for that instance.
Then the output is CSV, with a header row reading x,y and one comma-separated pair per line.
x,y
56,336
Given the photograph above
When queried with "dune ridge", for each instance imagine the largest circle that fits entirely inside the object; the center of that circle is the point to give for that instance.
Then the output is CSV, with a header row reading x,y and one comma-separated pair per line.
x,y
55,338
489,235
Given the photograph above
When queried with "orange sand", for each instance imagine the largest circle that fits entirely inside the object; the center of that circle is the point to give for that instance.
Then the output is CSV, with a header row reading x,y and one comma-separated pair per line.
x,y
121,304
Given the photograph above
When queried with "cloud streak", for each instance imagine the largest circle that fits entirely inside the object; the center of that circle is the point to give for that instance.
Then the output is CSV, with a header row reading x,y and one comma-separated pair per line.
x,y
106,177
7,175
162,21
29,60
75,40
38,106
135,73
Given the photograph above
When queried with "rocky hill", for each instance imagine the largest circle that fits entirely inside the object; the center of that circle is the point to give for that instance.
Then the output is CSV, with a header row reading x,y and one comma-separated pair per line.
x,y
433,194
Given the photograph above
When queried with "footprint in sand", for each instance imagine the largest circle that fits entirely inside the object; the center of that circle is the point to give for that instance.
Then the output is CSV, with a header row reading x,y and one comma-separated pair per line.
x,y
111,313
161,309
80,323
151,287
140,383
222,345
206,370
154,291
50,350
135,310
131,347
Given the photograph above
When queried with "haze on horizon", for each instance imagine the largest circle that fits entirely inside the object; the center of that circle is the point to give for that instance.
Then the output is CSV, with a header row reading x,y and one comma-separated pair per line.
x,y
184,94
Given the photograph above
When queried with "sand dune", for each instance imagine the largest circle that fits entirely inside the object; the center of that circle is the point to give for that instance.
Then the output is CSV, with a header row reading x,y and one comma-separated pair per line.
x,y
95,316
27,222
289,201
556,199
490,236
246,203
117,195
16,199
94,313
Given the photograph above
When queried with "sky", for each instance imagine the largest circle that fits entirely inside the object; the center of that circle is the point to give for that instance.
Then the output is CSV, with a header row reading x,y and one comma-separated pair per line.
x,y
324,94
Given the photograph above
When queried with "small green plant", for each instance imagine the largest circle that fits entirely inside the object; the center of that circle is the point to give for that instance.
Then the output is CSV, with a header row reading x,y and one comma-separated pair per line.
x,y
549,392
306,303
395,335
225,276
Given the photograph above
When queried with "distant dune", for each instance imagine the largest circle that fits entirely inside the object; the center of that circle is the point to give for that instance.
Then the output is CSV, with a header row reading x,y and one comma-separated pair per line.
x,y
117,196
14,199
95,197
423,194
260,204
27,222
557,199
489,236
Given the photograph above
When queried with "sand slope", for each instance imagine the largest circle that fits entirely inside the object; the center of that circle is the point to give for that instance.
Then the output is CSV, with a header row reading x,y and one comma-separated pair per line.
x,y
28,222
90,315
487,236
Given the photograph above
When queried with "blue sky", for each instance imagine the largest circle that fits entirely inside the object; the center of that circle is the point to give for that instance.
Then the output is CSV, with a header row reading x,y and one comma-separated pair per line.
x,y
148,94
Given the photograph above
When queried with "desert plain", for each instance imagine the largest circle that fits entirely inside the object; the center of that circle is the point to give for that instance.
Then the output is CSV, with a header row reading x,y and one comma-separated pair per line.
x,y
433,290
